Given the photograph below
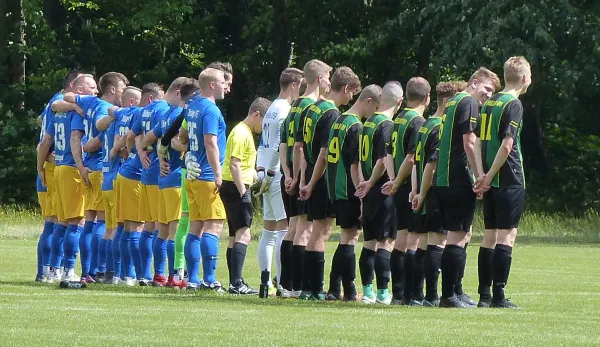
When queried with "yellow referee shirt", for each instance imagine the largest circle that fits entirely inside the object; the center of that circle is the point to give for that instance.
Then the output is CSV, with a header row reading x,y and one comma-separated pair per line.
x,y
240,144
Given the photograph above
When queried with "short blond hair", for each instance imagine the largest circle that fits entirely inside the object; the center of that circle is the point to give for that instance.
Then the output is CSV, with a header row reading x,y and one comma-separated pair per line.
x,y
344,76
515,68
483,74
209,75
373,92
315,68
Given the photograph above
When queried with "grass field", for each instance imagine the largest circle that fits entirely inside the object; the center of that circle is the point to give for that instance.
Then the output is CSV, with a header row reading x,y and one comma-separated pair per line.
x,y
557,285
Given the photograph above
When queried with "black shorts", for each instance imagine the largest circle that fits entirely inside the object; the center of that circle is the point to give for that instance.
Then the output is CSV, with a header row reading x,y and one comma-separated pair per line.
x,y
503,207
238,209
347,213
431,221
457,207
379,216
292,205
405,217
318,205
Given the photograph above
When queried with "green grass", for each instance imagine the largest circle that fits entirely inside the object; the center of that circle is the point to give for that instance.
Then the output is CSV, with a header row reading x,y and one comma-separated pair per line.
x,y
556,285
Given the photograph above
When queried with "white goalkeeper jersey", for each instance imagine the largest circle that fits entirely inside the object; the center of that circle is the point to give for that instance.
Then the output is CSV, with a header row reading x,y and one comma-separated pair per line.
x,y
268,149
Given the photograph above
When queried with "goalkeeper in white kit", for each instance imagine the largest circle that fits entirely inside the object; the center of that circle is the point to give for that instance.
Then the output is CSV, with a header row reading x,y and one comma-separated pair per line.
x,y
269,172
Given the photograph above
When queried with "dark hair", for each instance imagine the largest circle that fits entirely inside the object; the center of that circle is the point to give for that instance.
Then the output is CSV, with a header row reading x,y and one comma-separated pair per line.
x,y
225,67
189,89
344,76
151,88
417,89
289,76
111,79
70,77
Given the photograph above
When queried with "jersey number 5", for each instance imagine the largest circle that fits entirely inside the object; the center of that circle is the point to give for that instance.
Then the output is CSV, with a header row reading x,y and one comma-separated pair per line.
x,y
307,130
193,136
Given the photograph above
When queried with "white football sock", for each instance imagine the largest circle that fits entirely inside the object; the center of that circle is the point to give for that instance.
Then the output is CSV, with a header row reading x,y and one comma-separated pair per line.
x,y
280,236
265,251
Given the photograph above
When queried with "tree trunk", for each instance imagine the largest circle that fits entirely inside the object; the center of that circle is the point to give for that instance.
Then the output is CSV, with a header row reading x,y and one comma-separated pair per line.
x,y
282,41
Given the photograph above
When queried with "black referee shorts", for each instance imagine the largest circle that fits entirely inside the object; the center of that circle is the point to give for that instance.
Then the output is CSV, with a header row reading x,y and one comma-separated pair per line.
x,y
238,208
347,213
319,206
503,207
405,217
457,207
379,215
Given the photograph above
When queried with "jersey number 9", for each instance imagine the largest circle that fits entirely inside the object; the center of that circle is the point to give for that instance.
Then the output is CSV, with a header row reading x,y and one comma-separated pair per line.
x,y
334,151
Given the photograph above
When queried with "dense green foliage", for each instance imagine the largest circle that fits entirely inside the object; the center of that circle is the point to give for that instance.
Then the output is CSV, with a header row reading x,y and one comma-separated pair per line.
x,y
380,39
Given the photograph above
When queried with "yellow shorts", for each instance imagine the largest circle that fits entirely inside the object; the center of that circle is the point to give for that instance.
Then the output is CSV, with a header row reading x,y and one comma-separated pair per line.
x,y
48,199
169,205
93,192
110,208
204,204
149,203
128,199
69,192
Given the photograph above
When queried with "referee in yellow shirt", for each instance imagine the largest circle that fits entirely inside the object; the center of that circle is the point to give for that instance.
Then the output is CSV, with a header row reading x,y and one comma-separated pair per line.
x,y
238,175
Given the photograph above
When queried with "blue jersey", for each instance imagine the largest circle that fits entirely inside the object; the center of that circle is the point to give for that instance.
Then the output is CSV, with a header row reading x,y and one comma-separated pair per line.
x,y
61,127
110,168
93,108
151,115
173,179
47,115
132,166
205,118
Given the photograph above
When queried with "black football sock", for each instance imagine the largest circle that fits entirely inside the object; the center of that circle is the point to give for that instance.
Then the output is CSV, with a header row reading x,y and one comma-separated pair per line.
x,y
309,270
286,280
228,257
458,289
382,268
298,266
319,271
485,263
419,274
397,266
451,261
348,270
433,262
335,276
408,274
238,256
366,265
502,261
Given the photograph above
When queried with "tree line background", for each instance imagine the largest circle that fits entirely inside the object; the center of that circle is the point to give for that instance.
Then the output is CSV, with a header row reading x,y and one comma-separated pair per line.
x,y
158,40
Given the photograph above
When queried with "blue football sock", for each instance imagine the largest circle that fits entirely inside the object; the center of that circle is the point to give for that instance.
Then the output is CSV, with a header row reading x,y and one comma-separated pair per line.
x,y
154,236
160,256
97,233
102,255
85,244
146,250
117,264
171,256
191,251
126,257
210,252
134,248
45,244
108,255
71,245
56,253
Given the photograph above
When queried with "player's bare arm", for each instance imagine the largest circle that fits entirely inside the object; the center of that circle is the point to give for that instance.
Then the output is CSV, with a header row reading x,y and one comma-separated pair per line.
x,y
93,145
426,183
130,141
43,150
365,186
469,144
104,122
62,106
148,139
499,161
236,173
76,150
318,172
212,154
142,152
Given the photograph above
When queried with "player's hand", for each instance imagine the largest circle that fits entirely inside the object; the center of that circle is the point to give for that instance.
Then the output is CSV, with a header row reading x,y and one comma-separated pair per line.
x,y
287,182
84,172
165,168
124,153
145,159
389,188
163,151
291,189
479,195
417,202
243,191
264,186
218,182
363,189
306,192
42,175
113,153
360,218
411,196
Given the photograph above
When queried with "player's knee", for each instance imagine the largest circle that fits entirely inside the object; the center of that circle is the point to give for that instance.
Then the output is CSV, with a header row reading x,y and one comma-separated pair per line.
x,y
349,236
489,238
242,235
507,236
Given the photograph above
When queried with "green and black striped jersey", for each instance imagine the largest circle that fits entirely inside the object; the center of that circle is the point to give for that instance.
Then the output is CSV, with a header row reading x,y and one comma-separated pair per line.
x,y
427,142
374,139
404,135
460,118
342,152
290,126
501,116
314,126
